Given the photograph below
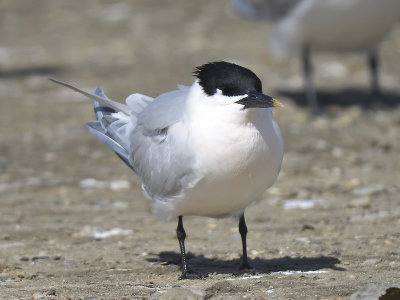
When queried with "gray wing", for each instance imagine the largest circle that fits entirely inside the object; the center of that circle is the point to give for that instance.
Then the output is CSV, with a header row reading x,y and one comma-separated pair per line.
x,y
271,10
164,111
159,149
152,141
106,131
150,136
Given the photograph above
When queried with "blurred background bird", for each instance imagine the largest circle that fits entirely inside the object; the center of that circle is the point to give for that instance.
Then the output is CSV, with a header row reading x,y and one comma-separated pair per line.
x,y
301,27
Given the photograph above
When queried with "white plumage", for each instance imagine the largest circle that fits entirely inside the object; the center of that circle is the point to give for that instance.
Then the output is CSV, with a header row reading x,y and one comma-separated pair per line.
x,y
214,159
210,149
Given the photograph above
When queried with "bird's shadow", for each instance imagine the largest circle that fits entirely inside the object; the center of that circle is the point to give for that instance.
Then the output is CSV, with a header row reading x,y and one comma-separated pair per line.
x,y
204,266
352,96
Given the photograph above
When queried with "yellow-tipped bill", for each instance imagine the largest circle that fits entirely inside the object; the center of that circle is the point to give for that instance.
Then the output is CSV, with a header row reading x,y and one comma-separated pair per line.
x,y
277,103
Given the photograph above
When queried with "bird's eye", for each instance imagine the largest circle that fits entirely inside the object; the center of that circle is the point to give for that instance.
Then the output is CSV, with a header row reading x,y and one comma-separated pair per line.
x,y
230,91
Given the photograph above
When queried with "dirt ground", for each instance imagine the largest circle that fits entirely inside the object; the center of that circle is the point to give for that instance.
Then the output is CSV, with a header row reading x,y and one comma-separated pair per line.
x,y
73,221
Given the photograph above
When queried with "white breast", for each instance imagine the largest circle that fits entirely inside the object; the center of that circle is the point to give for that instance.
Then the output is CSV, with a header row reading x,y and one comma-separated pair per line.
x,y
238,156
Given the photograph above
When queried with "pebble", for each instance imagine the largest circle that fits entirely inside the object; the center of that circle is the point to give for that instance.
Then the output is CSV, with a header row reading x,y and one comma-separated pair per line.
x,y
321,144
178,293
371,261
299,203
16,185
115,185
302,239
40,257
332,69
10,245
100,233
372,291
337,152
369,190
116,12
118,185
373,215
4,162
91,183
51,292
106,203
364,202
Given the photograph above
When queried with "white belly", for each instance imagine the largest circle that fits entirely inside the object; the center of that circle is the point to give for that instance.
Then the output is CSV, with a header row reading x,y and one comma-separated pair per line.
x,y
236,169
229,192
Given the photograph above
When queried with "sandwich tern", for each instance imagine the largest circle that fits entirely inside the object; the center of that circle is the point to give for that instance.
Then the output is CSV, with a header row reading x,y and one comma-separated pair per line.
x,y
304,26
209,149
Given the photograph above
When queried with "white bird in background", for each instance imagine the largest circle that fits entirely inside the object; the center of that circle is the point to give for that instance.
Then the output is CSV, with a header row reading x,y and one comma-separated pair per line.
x,y
210,149
302,26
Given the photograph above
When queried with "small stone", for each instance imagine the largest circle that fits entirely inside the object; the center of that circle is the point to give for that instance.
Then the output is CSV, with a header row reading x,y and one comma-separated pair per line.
x,y
30,277
321,144
254,252
49,157
299,204
337,152
91,183
39,257
182,293
372,291
51,292
371,261
369,190
307,227
360,202
118,185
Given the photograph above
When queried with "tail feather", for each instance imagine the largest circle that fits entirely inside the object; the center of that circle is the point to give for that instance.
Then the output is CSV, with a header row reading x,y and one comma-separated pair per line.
x,y
111,117
100,110
96,128
104,130
117,106
112,126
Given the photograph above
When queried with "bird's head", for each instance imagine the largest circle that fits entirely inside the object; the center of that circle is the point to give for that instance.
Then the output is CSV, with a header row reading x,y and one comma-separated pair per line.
x,y
233,82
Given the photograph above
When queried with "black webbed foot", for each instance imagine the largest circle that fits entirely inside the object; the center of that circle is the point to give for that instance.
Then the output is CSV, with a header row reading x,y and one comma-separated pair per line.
x,y
245,269
189,275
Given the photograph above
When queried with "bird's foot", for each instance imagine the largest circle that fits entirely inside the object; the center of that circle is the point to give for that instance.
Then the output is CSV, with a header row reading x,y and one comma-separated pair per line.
x,y
189,275
245,268
316,111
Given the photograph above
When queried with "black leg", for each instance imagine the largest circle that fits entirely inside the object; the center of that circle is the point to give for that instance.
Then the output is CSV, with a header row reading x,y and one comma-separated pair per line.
x,y
180,232
308,84
243,234
373,62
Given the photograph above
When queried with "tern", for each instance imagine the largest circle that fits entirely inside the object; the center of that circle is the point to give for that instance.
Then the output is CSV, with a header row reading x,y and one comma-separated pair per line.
x,y
209,149
304,26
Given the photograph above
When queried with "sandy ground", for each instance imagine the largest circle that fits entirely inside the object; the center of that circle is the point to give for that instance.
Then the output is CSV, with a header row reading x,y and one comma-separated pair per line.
x,y
73,222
